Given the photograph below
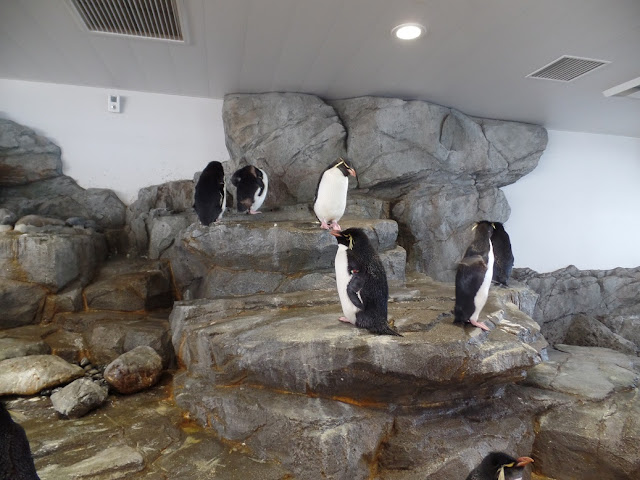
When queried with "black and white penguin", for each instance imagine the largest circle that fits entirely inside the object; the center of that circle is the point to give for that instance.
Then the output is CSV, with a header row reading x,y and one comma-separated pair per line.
x,y
210,196
361,282
473,277
500,466
251,185
16,462
331,194
503,263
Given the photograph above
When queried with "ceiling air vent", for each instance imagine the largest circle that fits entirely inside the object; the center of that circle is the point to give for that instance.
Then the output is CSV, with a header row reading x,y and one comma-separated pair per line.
x,y
566,68
155,19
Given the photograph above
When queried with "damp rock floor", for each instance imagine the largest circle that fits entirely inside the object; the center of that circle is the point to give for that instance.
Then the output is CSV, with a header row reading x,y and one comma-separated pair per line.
x,y
144,435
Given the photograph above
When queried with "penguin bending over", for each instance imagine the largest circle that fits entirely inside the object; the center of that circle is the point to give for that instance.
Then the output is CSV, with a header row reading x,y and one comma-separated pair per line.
x,y
361,282
210,197
503,263
499,466
16,461
331,194
473,277
251,185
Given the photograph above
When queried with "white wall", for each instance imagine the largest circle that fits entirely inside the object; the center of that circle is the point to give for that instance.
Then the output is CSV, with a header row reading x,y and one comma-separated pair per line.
x,y
155,139
580,206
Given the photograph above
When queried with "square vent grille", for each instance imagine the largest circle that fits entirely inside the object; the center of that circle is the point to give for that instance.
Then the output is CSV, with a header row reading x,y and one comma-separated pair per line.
x,y
154,19
566,68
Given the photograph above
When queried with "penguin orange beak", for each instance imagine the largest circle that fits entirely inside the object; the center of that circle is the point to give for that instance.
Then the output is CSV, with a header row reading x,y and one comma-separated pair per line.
x,y
352,172
335,233
522,461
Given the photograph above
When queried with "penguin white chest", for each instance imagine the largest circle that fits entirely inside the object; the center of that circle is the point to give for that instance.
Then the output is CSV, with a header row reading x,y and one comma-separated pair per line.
x,y
332,195
483,292
343,277
223,200
258,198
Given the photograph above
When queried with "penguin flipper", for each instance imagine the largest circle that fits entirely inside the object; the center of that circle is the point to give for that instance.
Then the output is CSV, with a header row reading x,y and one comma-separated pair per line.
x,y
353,290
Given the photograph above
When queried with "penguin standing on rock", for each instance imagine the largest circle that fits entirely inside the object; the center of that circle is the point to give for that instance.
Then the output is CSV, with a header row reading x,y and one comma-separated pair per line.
x,y
362,282
251,185
503,263
500,466
210,196
331,194
473,277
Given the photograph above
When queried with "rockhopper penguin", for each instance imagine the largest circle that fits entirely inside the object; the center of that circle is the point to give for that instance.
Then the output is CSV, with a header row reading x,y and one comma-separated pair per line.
x,y
361,282
473,277
210,196
251,185
499,466
16,462
503,263
331,193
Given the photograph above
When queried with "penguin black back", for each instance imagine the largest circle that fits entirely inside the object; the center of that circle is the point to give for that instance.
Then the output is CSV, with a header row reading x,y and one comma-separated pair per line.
x,y
248,181
210,198
368,287
16,462
496,462
483,231
503,264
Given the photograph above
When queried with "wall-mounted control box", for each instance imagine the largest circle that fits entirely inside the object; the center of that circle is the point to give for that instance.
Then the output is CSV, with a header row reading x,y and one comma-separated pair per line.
x,y
113,104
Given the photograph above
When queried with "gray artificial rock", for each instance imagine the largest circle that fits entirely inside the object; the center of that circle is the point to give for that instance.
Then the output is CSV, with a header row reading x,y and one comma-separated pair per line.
x,y
164,230
107,335
79,398
570,291
28,375
627,326
587,331
303,348
294,137
135,370
7,217
131,285
21,347
25,156
21,302
52,260
62,197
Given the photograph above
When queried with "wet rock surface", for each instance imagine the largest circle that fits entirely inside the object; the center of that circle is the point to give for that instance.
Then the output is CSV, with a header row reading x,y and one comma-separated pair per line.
x,y
30,374
79,397
114,442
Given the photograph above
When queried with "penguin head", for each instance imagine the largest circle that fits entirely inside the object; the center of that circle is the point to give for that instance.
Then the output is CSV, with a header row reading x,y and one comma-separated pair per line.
x,y
344,166
351,237
500,466
483,229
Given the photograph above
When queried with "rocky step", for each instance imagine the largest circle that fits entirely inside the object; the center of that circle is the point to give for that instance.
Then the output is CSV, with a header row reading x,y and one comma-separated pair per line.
x,y
99,336
131,285
251,254
295,343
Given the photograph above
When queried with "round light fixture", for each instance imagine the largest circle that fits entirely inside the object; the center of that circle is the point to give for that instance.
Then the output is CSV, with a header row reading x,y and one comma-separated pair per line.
x,y
408,31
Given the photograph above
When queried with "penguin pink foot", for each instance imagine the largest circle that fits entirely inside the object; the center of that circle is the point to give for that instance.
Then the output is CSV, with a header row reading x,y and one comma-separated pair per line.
x,y
325,225
336,227
344,319
479,325
252,212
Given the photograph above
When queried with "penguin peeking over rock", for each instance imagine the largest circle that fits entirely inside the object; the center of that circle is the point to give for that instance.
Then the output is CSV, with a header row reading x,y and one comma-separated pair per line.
x,y
473,277
251,185
361,282
500,466
503,263
331,193
210,196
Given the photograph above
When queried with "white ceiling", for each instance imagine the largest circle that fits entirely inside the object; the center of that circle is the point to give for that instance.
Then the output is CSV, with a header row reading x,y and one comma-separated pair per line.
x,y
475,56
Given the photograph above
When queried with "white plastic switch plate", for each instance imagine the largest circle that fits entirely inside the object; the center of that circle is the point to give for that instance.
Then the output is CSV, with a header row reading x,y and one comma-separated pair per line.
x,y
113,104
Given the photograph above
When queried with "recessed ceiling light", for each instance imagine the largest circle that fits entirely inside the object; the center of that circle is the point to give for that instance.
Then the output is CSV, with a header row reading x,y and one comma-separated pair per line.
x,y
408,31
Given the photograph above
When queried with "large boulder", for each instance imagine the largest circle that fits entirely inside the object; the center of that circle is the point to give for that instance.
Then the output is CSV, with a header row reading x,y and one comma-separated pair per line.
x,y
569,291
30,374
21,302
52,260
